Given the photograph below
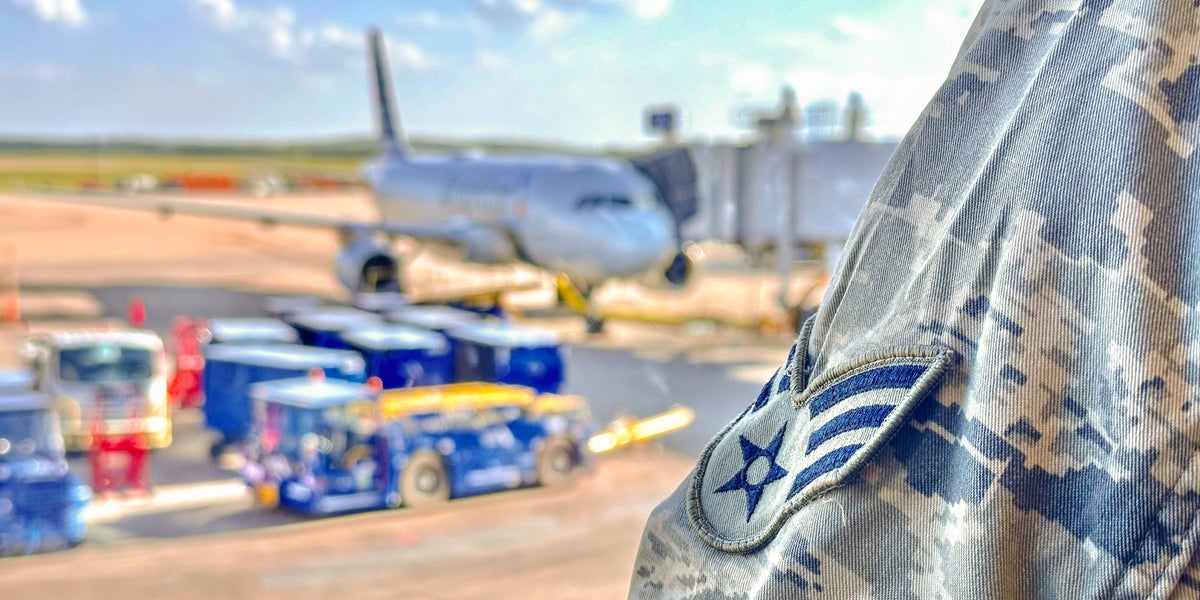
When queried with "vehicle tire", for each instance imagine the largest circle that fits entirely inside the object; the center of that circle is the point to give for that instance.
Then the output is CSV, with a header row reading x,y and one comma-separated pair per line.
x,y
424,481
556,462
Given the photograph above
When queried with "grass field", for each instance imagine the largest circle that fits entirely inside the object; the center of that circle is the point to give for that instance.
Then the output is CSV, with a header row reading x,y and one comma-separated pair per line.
x,y
71,163
71,169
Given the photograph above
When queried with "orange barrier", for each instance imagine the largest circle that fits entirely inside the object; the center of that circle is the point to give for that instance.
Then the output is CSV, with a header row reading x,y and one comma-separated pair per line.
x,y
12,308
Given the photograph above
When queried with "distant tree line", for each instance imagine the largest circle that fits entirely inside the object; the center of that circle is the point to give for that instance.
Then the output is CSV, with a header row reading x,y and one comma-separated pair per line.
x,y
351,148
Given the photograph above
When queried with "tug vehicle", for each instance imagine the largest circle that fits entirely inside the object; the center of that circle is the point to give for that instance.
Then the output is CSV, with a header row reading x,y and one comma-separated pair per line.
x,y
42,504
323,446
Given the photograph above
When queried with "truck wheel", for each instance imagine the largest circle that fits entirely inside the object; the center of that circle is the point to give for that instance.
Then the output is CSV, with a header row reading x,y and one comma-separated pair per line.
x,y
424,481
556,462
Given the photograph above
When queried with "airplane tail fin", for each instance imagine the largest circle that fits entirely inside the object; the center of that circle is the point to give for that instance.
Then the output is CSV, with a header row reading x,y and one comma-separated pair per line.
x,y
391,134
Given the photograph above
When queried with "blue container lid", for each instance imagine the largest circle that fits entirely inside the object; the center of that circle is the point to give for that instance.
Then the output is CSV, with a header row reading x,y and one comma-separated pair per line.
x,y
334,318
311,393
504,334
286,356
15,380
433,317
25,400
395,337
251,330
284,305
381,301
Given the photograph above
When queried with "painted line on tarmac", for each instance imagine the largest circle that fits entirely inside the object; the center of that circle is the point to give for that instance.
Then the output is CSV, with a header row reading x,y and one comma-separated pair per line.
x,y
167,498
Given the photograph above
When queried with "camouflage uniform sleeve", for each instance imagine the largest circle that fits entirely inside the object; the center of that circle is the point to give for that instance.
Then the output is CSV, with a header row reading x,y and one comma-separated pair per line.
x,y
998,396
1187,585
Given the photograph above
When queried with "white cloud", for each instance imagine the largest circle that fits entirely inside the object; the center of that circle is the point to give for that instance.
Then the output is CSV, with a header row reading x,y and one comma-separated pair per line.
x,y
278,26
277,31
493,61
509,14
409,56
425,19
65,12
648,10
273,28
221,12
560,56
858,31
548,19
340,37
754,79
816,83
792,40
45,72
551,23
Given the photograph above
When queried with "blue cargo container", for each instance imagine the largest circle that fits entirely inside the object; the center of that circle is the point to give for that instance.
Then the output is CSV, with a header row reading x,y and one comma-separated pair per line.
x,y
381,302
402,355
321,326
503,352
434,318
440,319
251,330
281,307
230,370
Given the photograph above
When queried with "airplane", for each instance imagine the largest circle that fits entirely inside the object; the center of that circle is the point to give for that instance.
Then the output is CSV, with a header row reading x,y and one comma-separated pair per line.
x,y
587,219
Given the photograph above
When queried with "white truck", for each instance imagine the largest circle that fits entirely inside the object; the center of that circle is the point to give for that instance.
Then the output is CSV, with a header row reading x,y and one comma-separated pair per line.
x,y
110,382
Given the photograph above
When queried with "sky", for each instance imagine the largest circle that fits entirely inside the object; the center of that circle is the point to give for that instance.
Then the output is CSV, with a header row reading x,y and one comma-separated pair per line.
x,y
580,72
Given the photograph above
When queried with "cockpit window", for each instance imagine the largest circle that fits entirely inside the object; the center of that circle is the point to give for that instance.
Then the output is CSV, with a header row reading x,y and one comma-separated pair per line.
x,y
602,202
102,363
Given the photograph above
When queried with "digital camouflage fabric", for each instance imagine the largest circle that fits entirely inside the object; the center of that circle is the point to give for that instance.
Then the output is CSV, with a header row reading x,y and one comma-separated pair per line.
x,y
1000,395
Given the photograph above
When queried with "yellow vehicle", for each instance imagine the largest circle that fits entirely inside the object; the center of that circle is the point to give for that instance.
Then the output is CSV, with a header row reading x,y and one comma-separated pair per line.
x,y
112,381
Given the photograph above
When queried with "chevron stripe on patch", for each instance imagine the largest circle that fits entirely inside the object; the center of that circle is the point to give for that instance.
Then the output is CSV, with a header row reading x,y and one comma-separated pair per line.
x,y
774,459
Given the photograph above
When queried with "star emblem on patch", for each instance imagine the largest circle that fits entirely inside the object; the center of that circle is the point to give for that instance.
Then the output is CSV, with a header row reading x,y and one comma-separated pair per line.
x,y
788,448
759,471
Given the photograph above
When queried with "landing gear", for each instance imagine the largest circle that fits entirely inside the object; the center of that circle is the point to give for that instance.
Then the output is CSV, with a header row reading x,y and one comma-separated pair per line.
x,y
593,321
579,299
594,325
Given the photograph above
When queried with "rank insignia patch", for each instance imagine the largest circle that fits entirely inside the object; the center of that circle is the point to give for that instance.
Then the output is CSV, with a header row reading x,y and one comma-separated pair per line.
x,y
791,446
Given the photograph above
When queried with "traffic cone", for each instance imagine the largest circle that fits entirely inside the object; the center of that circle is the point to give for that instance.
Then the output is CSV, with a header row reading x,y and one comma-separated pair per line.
x,y
137,312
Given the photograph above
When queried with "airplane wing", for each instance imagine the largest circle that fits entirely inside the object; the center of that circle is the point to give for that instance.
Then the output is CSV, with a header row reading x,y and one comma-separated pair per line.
x,y
237,212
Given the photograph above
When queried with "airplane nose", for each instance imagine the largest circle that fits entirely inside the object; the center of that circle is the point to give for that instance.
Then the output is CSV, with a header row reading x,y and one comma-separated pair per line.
x,y
650,240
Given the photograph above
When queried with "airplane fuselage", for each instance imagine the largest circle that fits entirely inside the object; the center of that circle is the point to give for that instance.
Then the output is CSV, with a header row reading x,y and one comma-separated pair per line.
x,y
591,218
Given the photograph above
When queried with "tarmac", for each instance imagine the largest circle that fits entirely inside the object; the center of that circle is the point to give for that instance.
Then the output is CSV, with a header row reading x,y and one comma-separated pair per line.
x,y
573,541
199,535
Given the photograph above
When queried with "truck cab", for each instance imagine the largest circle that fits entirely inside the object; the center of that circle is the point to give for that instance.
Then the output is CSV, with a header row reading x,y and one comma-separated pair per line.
x,y
41,503
325,447
112,381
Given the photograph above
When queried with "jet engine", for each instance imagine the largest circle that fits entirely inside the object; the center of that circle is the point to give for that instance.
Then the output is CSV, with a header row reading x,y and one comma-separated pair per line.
x,y
676,276
367,265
